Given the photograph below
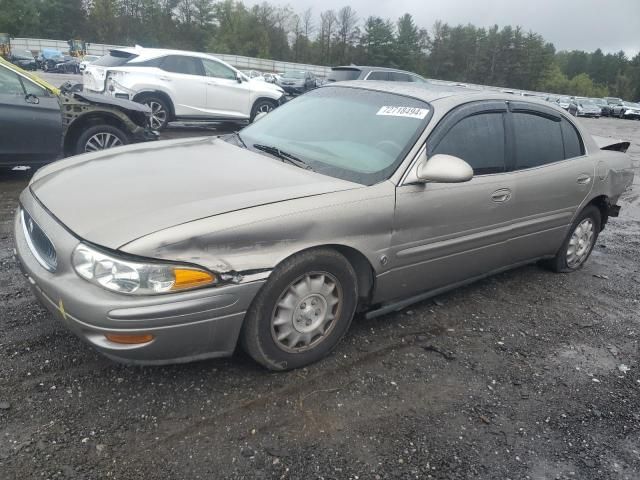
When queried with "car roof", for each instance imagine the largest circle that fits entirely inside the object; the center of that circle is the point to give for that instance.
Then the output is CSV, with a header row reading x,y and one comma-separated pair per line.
x,y
144,53
430,92
364,68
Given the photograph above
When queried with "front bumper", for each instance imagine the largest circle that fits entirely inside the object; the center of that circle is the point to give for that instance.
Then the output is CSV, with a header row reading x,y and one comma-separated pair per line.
x,y
185,326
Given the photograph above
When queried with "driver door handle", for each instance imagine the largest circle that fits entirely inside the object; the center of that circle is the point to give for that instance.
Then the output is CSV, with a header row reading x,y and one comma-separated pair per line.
x,y
501,196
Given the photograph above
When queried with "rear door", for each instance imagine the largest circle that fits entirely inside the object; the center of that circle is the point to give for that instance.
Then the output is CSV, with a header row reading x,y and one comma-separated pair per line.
x,y
226,96
184,77
30,121
445,233
552,176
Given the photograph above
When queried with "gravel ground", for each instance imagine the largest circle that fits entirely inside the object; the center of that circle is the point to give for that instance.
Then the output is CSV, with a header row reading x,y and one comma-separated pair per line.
x,y
528,374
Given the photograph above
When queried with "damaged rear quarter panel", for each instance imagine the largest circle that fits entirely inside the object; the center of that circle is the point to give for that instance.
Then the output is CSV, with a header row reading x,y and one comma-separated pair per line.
x,y
259,238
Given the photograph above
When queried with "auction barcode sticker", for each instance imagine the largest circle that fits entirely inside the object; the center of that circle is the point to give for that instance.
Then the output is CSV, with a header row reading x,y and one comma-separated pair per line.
x,y
411,112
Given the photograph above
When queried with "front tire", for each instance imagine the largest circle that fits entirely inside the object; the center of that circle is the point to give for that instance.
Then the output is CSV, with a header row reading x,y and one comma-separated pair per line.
x,y
579,243
263,105
100,137
302,312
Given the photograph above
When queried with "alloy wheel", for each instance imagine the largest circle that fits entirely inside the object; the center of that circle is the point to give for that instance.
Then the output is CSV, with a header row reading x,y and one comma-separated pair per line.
x,y
102,141
265,108
581,243
306,312
158,115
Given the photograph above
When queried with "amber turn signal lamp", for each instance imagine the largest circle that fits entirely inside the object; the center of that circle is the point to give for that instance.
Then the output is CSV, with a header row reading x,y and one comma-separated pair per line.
x,y
129,339
186,278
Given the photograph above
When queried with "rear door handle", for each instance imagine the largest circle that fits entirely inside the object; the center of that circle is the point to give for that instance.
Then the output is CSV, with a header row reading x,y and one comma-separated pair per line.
x,y
583,179
165,79
501,196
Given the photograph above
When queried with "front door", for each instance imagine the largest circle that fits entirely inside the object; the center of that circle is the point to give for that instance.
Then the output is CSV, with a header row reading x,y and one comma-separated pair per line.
x,y
226,96
30,121
448,233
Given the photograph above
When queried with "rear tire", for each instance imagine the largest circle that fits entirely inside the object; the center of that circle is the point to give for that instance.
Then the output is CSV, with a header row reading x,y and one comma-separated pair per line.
x,y
160,111
100,137
579,243
302,312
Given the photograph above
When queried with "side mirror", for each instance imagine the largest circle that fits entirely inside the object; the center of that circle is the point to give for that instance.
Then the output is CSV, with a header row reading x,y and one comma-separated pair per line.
x,y
441,169
239,77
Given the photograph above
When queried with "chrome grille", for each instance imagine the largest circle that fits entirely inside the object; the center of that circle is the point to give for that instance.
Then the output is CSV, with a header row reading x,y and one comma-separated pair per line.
x,y
39,243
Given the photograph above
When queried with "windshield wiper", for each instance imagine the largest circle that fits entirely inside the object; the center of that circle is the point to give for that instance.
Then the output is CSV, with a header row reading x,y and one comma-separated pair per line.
x,y
284,156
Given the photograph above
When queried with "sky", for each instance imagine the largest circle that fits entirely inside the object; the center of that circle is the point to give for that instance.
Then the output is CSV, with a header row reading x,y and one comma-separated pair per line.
x,y
611,25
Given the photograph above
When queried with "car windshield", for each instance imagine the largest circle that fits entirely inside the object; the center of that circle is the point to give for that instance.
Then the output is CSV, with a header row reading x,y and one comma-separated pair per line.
x,y
629,104
564,100
354,134
294,74
342,74
586,103
598,101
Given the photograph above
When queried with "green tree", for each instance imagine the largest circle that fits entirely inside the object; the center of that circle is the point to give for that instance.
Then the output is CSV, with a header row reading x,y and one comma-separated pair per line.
x,y
408,46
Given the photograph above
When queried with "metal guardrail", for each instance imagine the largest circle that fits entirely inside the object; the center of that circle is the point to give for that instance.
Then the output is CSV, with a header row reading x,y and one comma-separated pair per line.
x,y
240,62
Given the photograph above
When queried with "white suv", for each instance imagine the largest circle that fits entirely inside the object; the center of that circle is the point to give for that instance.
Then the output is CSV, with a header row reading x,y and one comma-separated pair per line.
x,y
180,85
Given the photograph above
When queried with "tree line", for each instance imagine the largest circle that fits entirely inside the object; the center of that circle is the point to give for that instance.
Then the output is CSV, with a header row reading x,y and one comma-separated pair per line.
x,y
507,56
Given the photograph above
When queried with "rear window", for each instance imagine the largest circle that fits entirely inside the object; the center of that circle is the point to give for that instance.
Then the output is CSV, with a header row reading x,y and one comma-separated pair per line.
x,y
341,75
538,140
114,59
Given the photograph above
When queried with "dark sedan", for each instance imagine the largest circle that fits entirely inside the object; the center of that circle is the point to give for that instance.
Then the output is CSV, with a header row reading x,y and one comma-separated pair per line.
x,y
40,123
24,59
297,82
584,107
353,72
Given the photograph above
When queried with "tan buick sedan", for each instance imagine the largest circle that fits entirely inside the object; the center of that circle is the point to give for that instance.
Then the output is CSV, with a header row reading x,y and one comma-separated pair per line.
x,y
359,196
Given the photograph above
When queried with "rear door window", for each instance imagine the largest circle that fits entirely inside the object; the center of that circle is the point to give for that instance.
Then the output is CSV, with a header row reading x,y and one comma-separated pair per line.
x,y
182,64
384,76
573,146
399,77
343,74
479,140
537,140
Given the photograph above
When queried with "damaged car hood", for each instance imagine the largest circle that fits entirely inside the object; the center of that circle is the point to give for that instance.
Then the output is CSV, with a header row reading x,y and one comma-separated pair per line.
x,y
116,196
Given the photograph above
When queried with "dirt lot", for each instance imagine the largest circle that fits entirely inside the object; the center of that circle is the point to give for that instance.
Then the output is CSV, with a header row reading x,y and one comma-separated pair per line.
x,y
526,375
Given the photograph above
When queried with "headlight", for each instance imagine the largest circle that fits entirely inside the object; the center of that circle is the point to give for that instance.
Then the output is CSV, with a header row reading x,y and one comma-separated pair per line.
x,y
138,278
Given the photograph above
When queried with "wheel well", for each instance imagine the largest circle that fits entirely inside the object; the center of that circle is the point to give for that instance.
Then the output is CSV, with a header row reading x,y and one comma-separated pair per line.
x,y
87,121
603,204
275,102
140,96
363,268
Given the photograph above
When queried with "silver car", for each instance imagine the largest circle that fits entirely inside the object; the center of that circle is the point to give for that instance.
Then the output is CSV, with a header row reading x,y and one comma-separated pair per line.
x,y
358,197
